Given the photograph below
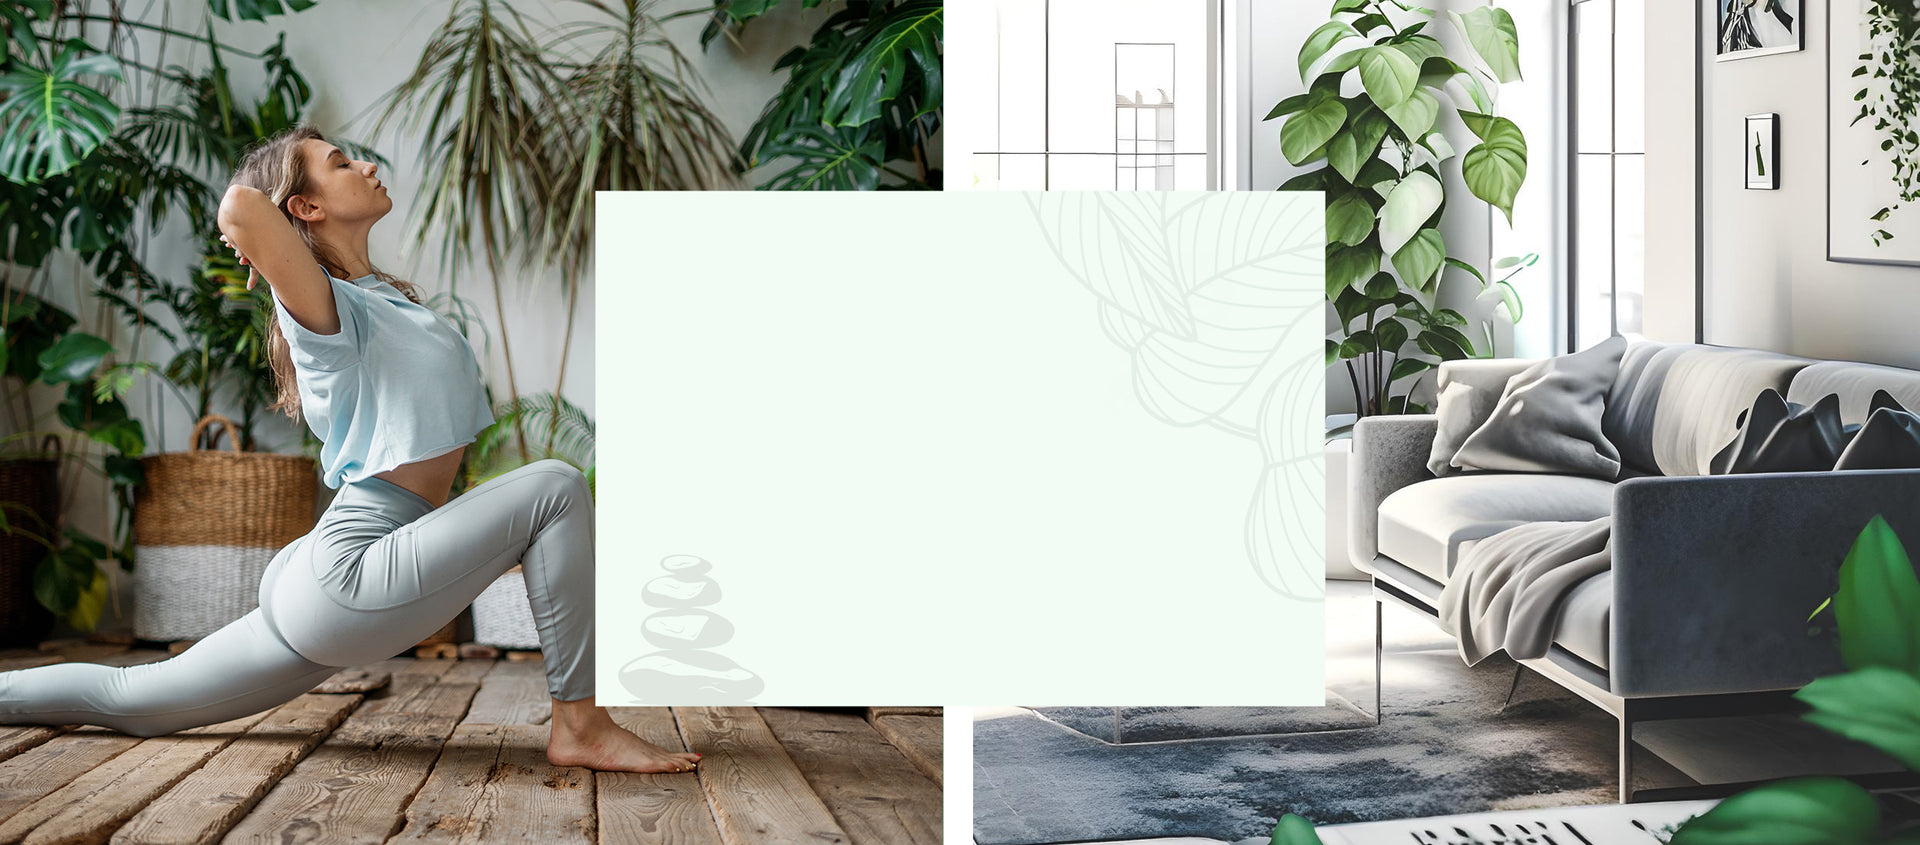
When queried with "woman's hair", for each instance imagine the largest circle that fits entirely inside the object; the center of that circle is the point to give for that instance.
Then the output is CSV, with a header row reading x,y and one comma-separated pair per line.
x,y
277,168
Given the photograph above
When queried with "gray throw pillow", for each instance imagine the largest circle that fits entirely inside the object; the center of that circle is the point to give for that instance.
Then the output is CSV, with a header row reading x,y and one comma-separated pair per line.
x,y
1890,439
1779,436
1549,418
1462,409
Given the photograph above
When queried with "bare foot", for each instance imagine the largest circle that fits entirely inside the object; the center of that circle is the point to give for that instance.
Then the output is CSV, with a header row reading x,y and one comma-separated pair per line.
x,y
584,735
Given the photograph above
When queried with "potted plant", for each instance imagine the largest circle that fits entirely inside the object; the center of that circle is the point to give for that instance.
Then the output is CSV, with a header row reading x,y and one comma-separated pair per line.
x,y
861,101
1381,153
74,176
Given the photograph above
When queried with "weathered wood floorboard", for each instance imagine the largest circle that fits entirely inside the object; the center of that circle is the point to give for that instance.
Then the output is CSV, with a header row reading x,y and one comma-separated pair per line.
x,y
90,808
757,793
354,788
493,784
206,804
662,809
876,794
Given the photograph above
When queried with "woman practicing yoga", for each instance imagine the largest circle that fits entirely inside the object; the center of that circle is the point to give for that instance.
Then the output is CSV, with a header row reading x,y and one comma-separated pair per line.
x,y
393,392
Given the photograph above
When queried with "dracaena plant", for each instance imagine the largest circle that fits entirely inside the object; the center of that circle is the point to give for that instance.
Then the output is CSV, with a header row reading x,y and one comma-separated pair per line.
x,y
1891,98
1380,154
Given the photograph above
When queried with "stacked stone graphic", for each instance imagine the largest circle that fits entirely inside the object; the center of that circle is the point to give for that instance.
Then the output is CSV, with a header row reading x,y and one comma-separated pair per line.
x,y
683,671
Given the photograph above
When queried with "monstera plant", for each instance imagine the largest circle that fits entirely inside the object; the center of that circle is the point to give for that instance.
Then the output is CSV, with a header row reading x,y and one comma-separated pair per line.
x,y
861,102
1380,153
82,172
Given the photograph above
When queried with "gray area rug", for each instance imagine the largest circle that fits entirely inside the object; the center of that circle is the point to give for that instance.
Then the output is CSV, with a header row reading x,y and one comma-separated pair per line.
x,y
1173,724
1446,747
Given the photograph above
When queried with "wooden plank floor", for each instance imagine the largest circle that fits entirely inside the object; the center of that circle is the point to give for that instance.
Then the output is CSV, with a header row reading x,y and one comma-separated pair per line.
x,y
453,751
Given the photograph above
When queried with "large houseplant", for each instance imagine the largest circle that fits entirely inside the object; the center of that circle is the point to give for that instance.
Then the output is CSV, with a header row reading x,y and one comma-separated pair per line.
x,y
520,128
73,176
1381,152
861,102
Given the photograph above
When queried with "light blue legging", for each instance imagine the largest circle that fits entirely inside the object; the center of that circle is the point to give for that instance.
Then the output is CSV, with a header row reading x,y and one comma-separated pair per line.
x,y
381,571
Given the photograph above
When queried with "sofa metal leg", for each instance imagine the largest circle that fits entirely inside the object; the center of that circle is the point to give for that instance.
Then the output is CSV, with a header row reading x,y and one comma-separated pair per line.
x,y
1626,751
1379,677
1513,690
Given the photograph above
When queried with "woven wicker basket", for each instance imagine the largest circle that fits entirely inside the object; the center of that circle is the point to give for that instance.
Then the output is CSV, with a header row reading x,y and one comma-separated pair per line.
x,y
206,524
501,615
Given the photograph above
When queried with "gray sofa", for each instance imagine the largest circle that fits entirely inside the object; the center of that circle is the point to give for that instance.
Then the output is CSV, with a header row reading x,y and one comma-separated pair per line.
x,y
1705,609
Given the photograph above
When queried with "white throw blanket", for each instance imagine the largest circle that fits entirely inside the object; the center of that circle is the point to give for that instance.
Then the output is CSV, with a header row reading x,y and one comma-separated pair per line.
x,y
1507,592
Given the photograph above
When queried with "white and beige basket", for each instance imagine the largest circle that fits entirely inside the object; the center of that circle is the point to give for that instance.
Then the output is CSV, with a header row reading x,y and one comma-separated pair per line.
x,y
502,617
206,524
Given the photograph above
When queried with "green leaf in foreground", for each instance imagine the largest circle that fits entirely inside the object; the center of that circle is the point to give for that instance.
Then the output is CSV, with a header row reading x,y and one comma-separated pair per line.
x,y
1878,603
1876,705
1294,830
1805,811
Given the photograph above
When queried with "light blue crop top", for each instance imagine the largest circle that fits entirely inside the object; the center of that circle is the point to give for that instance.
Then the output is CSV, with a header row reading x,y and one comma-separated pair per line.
x,y
397,384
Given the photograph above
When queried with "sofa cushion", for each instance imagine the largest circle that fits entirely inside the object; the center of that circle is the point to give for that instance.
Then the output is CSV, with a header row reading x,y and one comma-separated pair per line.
x,y
1549,418
1423,525
1890,438
1584,623
1855,383
1675,405
1778,436
1468,389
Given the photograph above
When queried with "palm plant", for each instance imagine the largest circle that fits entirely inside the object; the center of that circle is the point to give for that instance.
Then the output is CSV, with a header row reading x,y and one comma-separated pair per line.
x,y
861,100
521,128
570,437
221,345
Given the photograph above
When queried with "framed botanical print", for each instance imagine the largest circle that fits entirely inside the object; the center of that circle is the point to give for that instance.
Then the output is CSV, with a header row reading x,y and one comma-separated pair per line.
x,y
1761,149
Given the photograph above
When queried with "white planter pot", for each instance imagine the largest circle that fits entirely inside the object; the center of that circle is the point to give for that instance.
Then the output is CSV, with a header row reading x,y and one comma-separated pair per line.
x,y
1339,566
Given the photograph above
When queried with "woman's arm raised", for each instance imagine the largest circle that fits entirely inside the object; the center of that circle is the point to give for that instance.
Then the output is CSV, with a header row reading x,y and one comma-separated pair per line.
x,y
262,234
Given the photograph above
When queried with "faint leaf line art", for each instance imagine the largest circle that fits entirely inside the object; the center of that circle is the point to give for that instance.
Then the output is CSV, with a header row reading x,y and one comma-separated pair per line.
x,y
1217,298
686,670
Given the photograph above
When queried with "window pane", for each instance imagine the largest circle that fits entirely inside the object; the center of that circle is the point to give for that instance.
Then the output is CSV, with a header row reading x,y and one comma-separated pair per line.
x,y
1593,244
1153,53
1009,172
1593,75
1630,76
1630,241
1021,59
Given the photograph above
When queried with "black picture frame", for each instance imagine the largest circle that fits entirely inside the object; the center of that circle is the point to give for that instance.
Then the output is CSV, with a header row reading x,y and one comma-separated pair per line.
x,y
1791,14
1760,151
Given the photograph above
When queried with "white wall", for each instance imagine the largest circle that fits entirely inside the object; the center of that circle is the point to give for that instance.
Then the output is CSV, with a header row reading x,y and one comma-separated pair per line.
x,y
352,52
1768,283
1672,203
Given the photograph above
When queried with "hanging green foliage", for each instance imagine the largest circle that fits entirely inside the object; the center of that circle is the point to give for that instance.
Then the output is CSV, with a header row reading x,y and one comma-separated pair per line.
x,y
1890,97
